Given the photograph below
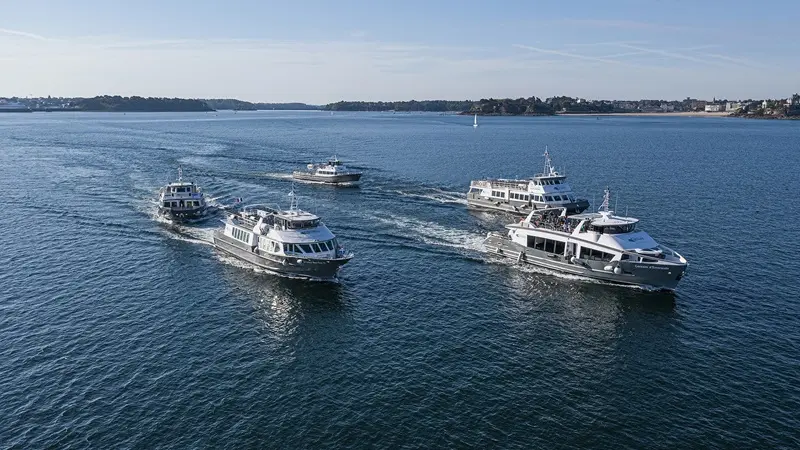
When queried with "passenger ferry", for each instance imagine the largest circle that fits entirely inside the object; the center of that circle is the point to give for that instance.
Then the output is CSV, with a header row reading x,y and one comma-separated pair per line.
x,y
334,172
13,107
598,245
182,200
292,242
548,189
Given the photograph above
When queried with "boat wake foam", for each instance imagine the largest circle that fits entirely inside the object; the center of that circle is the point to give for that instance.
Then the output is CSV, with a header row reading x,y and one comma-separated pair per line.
x,y
434,234
278,175
429,194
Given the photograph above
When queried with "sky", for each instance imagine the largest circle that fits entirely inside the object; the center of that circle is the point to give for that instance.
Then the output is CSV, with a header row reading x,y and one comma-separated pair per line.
x,y
321,51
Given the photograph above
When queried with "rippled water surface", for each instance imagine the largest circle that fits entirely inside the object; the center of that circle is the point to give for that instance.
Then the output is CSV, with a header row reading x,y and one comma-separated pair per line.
x,y
118,330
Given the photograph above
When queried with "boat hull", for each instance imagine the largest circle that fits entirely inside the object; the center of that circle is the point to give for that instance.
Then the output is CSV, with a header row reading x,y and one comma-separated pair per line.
x,y
329,179
520,208
311,268
659,276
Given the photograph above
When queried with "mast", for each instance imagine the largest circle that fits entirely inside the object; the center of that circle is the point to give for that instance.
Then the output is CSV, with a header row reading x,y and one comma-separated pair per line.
x,y
548,165
606,199
180,173
292,200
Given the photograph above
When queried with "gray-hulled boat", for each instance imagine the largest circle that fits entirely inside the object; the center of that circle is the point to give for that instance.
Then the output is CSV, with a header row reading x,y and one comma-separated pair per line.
x,y
595,245
182,200
13,107
333,172
548,189
292,242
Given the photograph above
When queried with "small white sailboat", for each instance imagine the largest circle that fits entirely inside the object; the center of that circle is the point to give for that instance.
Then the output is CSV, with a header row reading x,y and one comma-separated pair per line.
x,y
475,123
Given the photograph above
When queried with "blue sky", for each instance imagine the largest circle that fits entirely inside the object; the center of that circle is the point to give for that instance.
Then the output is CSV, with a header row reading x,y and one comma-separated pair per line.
x,y
321,51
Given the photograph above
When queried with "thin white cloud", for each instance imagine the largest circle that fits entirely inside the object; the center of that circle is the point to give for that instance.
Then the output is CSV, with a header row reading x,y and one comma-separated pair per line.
x,y
702,58
621,24
572,55
23,34
739,61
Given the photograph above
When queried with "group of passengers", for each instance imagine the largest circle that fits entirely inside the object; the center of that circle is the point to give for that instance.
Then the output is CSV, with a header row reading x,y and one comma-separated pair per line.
x,y
553,222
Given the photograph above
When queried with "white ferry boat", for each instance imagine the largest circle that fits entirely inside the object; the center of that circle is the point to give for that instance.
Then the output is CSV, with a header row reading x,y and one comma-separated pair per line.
x,y
334,172
181,200
292,242
13,107
594,245
548,189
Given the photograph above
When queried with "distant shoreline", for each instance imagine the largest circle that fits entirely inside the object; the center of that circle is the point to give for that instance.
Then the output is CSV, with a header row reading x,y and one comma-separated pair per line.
x,y
655,114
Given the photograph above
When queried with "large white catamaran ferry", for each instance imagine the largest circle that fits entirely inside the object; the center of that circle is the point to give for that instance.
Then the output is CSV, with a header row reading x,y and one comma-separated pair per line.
x,y
598,245
548,189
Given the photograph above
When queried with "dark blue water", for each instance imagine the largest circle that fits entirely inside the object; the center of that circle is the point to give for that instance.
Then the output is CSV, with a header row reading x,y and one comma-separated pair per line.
x,y
119,331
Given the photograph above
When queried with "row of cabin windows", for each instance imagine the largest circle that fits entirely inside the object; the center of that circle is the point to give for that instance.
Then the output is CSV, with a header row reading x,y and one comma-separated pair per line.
x,y
241,235
536,198
546,182
182,204
613,229
317,247
552,198
627,257
327,172
181,189
297,224
557,248
546,245
597,255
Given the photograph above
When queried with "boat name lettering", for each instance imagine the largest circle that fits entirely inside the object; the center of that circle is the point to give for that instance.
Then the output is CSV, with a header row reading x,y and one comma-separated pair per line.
x,y
640,266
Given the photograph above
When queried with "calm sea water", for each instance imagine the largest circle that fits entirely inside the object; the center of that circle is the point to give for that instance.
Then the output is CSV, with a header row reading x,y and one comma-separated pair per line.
x,y
117,330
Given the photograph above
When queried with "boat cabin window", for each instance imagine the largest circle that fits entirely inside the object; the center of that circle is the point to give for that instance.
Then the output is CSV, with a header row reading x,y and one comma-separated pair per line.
x,y
546,245
317,247
241,235
597,255
613,229
549,198
516,196
167,204
298,224
498,194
